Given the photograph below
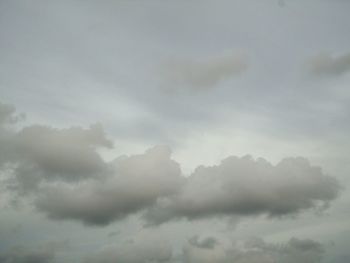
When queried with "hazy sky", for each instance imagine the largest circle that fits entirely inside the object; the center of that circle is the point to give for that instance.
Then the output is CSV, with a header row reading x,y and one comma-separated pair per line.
x,y
189,131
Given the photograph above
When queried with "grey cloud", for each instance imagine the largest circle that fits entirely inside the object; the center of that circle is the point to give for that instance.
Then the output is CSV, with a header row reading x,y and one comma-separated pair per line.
x,y
137,182
254,250
8,117
208,242
238,186
203,74
7,114
45,254
326,64
258,251
65,153
38,152
139,250
106,51
342,259
54,162
244,186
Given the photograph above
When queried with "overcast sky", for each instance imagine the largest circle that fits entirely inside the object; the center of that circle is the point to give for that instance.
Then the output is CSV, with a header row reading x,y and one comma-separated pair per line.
x,y
152,131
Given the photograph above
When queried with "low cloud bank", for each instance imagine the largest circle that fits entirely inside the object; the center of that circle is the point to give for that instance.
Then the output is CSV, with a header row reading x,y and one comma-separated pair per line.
x,y
67,178
254,250
257,251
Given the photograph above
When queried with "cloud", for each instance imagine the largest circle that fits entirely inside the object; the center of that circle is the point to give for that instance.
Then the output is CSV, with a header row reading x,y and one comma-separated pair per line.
x,y
69,180
208,242
139,250
342,259
244,186
257,251
137,182
153,182
204,74
7,114
37,153
252,250
66,153
325,64
45,254
8,117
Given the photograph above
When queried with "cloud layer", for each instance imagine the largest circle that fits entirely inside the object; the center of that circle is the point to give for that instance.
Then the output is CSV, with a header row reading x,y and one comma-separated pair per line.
x,y
38,153
257,251
214,80
244,186
139,250
63,171
253,250
137,183
45,254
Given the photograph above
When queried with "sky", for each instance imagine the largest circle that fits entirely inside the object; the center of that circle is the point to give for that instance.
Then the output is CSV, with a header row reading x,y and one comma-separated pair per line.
x,y
190,131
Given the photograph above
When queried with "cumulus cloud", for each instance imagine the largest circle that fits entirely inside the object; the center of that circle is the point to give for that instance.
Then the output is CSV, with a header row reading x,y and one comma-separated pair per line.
x,y
257,251
153,182
244,186
67,153
204,74
72,181
139,250
326,64
38,152
137,182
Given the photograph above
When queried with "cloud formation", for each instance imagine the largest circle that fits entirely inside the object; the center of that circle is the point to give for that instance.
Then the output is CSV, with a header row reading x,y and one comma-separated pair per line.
x,y
208,242
153,182
68,179
66,153
138,250
206,73
253,250
7,114
8,117
325,64
257,251
37,153
73,62
244,186
45,254
137,183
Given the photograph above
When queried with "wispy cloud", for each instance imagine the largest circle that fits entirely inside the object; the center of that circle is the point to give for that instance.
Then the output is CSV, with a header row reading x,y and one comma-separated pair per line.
x,y
202,74
329,65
